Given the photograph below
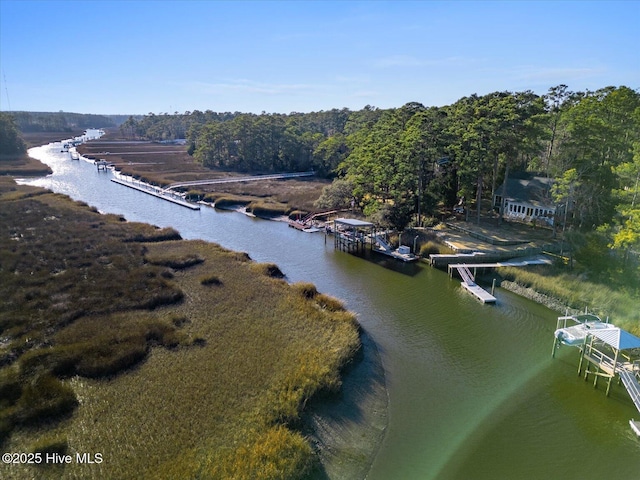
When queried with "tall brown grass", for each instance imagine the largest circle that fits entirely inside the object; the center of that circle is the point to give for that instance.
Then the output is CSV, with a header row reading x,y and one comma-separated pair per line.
x,y
204,381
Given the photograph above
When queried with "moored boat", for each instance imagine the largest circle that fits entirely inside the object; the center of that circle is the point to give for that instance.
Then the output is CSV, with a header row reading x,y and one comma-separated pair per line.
x,y
576,334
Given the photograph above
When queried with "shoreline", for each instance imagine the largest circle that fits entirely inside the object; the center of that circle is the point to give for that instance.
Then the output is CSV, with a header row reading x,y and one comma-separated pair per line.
x,y
540,298
362,399
335,423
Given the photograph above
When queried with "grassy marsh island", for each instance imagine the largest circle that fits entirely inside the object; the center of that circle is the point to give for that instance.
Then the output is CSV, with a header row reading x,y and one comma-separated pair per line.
x,y
169,358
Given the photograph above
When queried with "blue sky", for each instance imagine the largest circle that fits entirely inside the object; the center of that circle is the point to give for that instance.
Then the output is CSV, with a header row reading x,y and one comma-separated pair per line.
x,y
136,57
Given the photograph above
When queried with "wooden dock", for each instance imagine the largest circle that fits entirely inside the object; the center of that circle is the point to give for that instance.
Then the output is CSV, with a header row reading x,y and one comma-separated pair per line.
x,y
253,178
157,193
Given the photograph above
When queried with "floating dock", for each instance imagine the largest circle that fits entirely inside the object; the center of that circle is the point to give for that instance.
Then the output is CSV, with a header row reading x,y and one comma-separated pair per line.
x,y
469,284
479,292
158,194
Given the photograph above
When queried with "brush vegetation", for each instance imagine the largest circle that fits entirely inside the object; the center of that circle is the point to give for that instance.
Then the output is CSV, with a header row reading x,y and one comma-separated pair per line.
x,y
576,293
171,358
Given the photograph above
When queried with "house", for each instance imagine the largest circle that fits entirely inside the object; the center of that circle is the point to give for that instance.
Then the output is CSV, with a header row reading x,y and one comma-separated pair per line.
x,y
525,197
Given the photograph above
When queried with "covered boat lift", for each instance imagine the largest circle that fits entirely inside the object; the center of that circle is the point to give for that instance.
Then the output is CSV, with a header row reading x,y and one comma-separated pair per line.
x,y
611,352
350,235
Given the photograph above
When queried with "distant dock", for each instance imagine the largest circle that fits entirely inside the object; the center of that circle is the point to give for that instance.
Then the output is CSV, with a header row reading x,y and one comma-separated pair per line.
x,y
158,194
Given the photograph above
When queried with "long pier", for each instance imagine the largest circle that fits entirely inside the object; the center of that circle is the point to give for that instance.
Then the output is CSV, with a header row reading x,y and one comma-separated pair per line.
x,y
157,193
253,178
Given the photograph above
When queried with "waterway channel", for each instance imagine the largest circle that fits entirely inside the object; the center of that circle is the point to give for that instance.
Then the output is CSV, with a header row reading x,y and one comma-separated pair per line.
x,y
473,392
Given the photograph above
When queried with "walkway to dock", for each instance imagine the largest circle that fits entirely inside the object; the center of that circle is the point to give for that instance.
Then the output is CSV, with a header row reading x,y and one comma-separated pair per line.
x,y
253,178
630,382
469,284
157,193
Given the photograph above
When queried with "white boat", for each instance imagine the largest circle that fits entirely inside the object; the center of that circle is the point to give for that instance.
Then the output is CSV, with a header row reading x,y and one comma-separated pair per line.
x,y
576,334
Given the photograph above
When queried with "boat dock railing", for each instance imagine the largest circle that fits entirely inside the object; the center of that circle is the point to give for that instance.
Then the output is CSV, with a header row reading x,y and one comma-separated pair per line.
x,y
630,381
469,283
466,275
215,181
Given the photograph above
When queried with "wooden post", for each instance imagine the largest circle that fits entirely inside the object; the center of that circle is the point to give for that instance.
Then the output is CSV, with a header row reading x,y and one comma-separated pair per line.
x,y
582,354
493,288
615,364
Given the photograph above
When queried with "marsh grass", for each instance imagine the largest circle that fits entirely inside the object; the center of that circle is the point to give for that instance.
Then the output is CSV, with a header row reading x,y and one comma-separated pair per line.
x,y
211,280
206,385
432,246
227,201
268,209
577,293
268,269
51,444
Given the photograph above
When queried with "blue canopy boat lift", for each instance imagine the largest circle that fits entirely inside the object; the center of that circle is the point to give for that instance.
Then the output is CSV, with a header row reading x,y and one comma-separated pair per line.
x,y
605,351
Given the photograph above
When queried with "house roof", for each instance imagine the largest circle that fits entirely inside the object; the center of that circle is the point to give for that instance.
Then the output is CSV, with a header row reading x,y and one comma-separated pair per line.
x,y
526,187
617,338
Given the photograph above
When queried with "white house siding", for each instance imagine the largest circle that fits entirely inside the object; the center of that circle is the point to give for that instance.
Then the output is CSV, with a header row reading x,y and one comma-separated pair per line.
x,y
527,212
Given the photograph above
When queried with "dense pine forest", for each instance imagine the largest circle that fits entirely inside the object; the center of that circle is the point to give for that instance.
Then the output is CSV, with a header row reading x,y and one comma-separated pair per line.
x,y
30,122
402,165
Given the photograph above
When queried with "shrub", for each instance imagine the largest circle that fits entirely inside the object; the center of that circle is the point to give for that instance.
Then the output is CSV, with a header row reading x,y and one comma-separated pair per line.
x,y
163,298
229,201
10,388
43,399
328,302
210,280
180,322
307,290
433,247
263,209
177,263
269,269
6,426
50,445
158,235
59,360
241,256
104,360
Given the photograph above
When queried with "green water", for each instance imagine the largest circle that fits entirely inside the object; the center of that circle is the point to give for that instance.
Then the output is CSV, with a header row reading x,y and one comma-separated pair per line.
x,y
473,392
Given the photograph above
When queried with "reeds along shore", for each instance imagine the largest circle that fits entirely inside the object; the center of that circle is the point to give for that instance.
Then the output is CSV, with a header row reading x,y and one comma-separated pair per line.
x,y
171,358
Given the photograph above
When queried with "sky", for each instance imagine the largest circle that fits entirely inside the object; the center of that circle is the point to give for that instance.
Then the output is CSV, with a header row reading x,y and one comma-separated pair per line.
x,y
139,57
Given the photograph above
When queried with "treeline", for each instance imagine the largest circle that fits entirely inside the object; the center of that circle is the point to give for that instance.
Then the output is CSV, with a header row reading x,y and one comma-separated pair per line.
x,y
404,163
250,142
11,143
30,122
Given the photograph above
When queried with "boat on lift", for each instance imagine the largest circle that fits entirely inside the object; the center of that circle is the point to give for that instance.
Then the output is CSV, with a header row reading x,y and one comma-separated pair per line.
x,y
582,324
